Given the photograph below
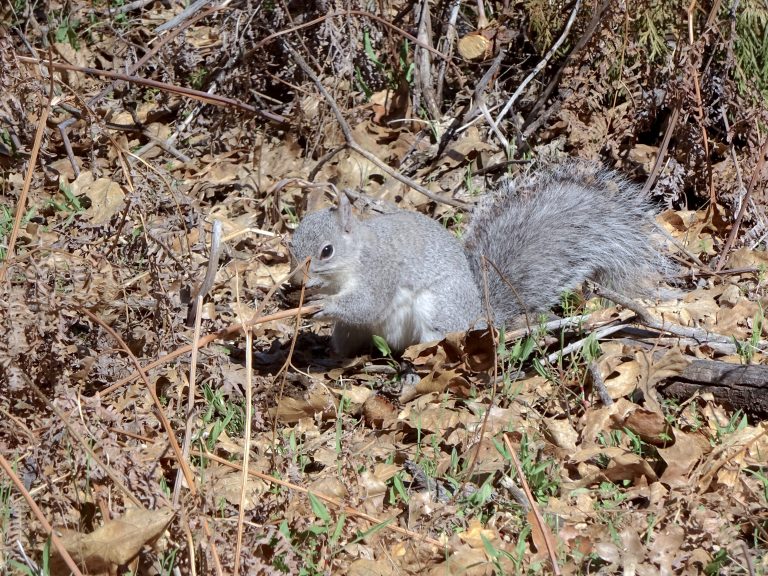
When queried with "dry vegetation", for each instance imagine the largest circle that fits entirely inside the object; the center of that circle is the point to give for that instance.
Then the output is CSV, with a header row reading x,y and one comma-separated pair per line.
x,y
128,129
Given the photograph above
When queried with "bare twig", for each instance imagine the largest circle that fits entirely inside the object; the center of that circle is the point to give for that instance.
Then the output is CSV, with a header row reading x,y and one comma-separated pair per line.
x,y
179,90
495,376
22,202
653,176
700,114
647,319
741,190
758,170
423,63
153,393
494,128
448,41
129,7
157,47
214,551
227,332
246,437
532,122
478,98
322,161
183,15
350,140
573,346
55,540
210,273
598,384
362,13
542,63
389,523
195,315
84,444
167,144
546,533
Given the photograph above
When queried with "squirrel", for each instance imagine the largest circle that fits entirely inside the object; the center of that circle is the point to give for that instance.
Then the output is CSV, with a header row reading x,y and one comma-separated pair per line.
x,y
404,277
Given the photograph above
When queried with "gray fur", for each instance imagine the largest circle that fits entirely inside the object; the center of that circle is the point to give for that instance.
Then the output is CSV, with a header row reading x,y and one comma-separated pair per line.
x,y
549,231
402,276
377,281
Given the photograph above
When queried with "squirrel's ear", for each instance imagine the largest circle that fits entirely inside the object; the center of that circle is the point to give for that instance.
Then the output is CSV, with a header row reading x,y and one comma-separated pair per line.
x,y
346,218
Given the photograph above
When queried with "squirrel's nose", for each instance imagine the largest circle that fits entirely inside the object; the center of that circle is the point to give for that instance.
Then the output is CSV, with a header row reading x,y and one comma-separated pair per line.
x,y
301,272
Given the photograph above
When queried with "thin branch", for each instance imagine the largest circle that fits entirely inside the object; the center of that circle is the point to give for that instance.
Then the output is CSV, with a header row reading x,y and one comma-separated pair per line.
x,y
389,523
256,49
573,346
598,384
55,540
210,274
350,140
422,59
540,66
21,204
183,15
647,319
739,217
246,437
84,444
531,122
153,393
546,532
179,90
448,37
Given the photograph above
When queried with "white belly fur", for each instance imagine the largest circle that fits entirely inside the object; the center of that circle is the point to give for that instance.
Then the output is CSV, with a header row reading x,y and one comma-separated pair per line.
x,y
407,320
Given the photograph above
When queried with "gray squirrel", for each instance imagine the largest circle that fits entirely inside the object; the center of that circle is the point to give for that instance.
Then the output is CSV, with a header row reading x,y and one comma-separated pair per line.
x,y
404,277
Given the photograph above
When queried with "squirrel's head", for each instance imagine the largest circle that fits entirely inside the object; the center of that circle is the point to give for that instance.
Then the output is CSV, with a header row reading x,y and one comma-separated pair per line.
x,y
326,238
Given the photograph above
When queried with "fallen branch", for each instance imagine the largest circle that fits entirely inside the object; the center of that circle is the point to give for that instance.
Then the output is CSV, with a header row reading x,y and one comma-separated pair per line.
x,y
741,386
179,90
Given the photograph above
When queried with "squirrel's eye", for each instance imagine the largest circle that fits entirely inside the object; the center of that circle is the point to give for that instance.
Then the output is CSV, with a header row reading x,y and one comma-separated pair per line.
x,y
327,251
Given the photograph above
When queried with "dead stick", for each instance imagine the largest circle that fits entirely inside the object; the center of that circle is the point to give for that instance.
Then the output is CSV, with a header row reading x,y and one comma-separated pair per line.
x,y
153,392
55,540
179,90
350,140
205,340
329,499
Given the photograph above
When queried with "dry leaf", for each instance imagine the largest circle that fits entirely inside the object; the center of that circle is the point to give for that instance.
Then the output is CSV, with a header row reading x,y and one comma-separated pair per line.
x,y
666,548
475,47
650,426
651,373
682,457
475,533
228,483
318,400
116,543
379,412
366,567
107,199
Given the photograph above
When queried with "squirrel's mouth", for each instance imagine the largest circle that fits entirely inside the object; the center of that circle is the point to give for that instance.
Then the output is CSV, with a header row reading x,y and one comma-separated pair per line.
x,y
318,286
315,284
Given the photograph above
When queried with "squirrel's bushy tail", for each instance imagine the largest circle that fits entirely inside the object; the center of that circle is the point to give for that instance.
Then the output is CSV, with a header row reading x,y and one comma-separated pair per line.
x,y
548,231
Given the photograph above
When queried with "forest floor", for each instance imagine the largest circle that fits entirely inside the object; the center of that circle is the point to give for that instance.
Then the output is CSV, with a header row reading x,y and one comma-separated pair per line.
x,y
142,145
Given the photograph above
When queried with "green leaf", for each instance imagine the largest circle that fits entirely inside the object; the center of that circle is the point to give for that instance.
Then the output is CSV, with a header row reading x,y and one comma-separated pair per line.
x,y
381,345
373,530
368,47
319,508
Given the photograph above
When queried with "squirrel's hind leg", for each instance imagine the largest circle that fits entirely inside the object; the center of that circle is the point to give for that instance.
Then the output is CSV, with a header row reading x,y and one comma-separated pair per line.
x,y
347,340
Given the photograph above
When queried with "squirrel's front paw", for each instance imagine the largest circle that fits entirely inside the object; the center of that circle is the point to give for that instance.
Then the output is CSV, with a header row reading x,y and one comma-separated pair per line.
x,y
323,302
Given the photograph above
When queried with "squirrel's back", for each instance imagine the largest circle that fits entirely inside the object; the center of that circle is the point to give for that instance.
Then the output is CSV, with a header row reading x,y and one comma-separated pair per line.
x,y
548,231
